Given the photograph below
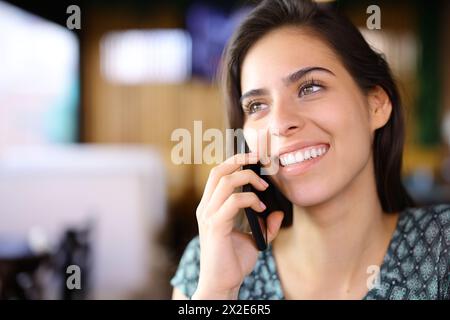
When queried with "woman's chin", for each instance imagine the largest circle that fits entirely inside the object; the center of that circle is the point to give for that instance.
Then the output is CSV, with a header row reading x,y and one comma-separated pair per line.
x,y
308,198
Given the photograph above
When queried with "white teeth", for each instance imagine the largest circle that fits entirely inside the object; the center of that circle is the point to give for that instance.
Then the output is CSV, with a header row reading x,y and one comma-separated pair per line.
x,y
307,154
291,159
300,156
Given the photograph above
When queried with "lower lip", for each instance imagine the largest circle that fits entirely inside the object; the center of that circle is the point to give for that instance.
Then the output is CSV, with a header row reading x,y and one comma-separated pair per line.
x,y
301,167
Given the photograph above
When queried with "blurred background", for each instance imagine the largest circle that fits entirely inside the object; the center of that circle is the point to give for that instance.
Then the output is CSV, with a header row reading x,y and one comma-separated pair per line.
x,y
86,118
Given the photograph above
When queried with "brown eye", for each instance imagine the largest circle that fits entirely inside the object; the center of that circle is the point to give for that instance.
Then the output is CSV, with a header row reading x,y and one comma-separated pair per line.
x,y
309,89
254,107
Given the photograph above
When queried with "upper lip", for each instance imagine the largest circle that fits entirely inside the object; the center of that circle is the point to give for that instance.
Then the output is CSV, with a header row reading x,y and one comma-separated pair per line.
x,y
298,146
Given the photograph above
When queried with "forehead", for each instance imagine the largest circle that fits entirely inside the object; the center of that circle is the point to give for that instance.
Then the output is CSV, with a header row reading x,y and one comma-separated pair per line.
x,y
281,52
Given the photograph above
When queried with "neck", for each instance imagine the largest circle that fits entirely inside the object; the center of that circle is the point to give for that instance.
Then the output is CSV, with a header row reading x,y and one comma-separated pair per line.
x,y
341,237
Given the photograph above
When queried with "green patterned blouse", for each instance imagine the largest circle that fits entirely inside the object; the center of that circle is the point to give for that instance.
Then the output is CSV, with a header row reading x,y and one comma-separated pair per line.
x,y
416,264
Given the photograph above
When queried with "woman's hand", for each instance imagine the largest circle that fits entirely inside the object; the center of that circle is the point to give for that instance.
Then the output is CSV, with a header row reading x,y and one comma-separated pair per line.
x,y
227,255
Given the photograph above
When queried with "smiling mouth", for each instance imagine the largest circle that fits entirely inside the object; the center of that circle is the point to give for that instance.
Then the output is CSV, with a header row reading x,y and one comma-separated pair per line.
x,y
303,155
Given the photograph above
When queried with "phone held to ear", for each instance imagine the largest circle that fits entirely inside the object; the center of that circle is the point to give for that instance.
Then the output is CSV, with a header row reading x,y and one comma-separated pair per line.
x,y
274,201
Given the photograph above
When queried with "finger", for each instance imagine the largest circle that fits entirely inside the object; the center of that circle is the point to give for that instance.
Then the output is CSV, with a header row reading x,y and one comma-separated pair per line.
x,y
234,203
273,224
229,183
229,166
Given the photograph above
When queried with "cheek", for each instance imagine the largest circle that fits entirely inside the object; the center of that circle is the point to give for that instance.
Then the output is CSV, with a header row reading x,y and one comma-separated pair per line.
x,y
256,138
350,140
256,135
348,124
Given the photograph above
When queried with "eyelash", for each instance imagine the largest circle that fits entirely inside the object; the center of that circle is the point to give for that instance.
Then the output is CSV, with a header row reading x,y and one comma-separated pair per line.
x,y
309,83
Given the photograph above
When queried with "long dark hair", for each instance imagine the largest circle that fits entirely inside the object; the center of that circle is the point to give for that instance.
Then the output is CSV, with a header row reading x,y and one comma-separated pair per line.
x,y
367,67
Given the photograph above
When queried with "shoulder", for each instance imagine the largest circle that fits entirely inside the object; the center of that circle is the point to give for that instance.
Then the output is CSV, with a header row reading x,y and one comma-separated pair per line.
x,y
187,273
426,227
417,262
428,221
424,246
192,251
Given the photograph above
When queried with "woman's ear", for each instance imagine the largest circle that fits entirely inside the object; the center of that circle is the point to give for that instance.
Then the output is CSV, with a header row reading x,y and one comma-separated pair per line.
x,y
380,107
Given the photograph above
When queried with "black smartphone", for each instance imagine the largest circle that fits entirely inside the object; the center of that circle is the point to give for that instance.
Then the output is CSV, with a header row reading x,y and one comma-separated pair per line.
x,y
274,201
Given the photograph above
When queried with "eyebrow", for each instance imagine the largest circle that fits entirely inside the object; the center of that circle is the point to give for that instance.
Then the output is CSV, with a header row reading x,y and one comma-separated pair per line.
x,y
253,93
290,79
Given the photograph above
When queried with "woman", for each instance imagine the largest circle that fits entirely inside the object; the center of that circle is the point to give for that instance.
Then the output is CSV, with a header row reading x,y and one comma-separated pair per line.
x,y
305,76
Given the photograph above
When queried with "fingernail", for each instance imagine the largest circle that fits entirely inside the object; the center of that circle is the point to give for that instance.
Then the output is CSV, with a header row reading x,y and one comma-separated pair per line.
x,y
262,205
264,182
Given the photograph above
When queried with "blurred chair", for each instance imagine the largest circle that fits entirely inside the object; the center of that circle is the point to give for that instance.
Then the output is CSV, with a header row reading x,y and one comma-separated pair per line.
x,y
75,249
19,267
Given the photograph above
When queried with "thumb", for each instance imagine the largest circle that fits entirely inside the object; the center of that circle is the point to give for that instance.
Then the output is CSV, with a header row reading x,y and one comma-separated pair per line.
x,y
273,224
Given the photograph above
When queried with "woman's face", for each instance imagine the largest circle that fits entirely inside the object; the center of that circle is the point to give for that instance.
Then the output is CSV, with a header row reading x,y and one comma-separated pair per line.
x,y
297,93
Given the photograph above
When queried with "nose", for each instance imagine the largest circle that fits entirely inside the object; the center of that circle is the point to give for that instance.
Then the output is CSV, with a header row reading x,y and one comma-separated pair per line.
x,y
284,121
